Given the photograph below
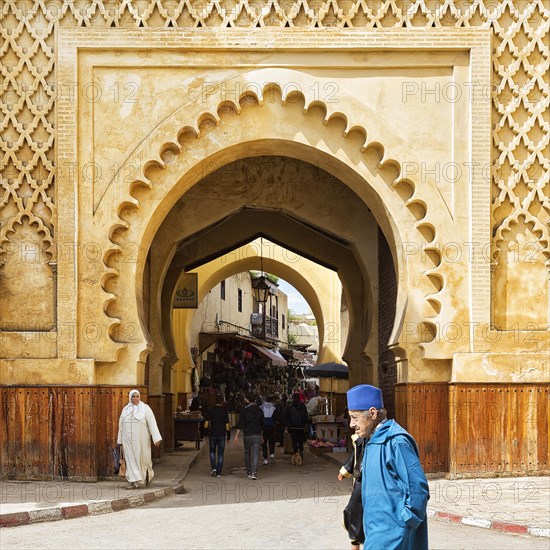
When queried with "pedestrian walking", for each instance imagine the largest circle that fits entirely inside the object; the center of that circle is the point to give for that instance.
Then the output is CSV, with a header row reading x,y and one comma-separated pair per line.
x,y
250,423
394,488
217,423
353,512
199,403
136,427
295,421
268,431
279,424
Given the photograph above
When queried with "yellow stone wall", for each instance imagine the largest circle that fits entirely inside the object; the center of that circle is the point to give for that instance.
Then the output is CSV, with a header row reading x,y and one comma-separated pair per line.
x,y
83,195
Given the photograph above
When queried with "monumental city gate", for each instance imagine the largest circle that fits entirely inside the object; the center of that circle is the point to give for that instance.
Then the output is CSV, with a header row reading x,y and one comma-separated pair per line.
x,y
421,126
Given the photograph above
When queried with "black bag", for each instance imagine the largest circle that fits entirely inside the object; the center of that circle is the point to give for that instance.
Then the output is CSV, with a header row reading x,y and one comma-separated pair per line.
x,y
116,458
353,515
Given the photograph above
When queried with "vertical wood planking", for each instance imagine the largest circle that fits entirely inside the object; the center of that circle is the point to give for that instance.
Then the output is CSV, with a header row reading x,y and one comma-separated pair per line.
x,y
543,428
59,432
422,409
3,431
168,434
499,428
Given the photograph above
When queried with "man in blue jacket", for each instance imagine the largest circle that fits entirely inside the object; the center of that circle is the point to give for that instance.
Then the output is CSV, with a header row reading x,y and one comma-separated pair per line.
x,y
394,488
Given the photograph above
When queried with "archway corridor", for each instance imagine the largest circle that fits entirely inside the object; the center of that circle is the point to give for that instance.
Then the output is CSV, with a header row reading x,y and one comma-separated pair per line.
x,y
309,222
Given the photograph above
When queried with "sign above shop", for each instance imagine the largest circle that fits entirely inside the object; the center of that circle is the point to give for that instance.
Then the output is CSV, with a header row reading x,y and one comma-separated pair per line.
x,y
187,292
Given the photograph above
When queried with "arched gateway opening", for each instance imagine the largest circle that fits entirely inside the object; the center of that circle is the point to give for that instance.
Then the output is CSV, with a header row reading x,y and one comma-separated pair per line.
x,y
170,168
303,177
304,209
318,219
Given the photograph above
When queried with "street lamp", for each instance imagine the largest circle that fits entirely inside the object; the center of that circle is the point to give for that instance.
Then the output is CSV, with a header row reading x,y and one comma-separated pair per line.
x,y
261,288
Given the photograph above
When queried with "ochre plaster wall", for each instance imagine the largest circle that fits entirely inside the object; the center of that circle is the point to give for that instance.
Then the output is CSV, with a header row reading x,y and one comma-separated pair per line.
x,y
263,126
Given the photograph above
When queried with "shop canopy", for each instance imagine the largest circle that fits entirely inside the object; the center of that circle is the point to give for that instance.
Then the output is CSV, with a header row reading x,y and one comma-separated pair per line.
x,y
328,370
273,355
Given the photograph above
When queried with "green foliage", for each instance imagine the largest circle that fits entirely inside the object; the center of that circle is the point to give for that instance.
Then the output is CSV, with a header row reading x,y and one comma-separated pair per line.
x,y
293,317
292,339
273,278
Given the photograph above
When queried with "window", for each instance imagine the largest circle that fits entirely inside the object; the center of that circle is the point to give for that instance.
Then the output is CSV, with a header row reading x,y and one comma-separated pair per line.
x,y
222,290
283,321
240,300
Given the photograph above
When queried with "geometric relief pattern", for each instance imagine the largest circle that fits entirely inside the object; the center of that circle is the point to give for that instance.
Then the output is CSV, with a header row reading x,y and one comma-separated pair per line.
x,y
27,131
520,171
521,130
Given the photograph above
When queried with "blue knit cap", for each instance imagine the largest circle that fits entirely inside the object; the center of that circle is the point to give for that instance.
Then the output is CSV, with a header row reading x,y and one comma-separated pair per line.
x,y
363,397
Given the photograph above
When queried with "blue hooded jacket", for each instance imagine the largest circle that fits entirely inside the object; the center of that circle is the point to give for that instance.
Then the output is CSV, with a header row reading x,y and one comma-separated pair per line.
x,y
395,492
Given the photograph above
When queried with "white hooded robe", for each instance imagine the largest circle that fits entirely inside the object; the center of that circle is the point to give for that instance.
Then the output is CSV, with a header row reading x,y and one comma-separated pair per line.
x,y
136,427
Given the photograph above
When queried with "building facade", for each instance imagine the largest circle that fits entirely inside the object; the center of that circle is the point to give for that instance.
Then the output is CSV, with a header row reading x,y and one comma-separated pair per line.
x,y
403,144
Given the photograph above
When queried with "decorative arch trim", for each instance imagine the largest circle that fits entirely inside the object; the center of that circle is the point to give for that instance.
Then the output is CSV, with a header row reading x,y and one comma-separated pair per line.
x,y
170,140
536,227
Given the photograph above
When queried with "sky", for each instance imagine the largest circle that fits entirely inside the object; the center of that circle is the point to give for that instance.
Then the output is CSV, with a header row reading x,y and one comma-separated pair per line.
x,y
296,301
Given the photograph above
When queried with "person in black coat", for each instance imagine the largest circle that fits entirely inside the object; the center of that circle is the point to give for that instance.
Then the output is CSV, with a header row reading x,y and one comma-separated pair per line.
x,y
199,403
353,512
251,421
295,420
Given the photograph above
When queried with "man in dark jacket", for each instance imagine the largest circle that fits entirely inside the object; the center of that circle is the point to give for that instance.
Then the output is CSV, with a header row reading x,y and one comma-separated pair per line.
x,y
295,421
251,422
353,512
394,488
217,421
199,403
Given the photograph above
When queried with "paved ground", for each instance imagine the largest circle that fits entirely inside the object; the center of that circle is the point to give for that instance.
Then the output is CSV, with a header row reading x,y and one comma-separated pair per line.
x,y
24,502
287,507
513,504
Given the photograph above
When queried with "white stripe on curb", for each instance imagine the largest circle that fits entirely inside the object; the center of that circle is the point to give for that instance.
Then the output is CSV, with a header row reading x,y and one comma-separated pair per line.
x,y
539,532
96,508
45,514
137,500
476,522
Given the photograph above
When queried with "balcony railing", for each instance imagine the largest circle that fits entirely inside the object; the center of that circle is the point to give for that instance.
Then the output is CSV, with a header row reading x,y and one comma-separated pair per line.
x,y
271,328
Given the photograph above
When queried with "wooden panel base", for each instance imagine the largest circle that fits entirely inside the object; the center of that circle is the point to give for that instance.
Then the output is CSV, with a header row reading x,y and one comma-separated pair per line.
x,y
67,432
422,409
499,428
59,432
156,402
478,429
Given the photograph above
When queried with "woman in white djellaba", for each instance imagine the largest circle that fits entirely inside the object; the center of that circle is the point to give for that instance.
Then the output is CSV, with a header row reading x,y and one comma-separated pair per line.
x,y
136,427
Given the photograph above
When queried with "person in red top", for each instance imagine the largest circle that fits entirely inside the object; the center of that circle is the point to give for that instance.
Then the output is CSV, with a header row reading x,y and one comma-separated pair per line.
x,y
298,390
